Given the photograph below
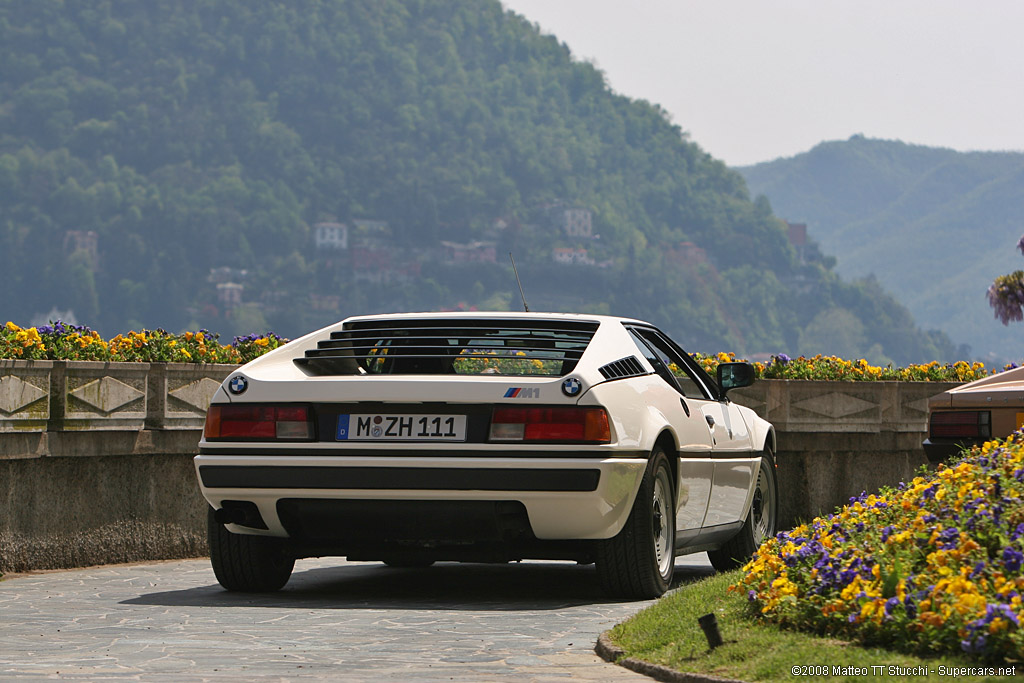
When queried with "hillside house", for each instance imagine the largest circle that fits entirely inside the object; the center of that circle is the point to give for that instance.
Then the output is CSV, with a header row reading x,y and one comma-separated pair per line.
x,y
229,294
383,265
571,256
470,252
330,235
577,223
227,274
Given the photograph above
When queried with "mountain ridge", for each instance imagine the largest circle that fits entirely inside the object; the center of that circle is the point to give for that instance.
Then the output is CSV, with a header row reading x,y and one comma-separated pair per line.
x,y
910,219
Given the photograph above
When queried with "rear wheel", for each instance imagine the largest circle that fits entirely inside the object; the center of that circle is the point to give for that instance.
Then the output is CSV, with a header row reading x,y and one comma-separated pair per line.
x,y
250,564
761,522
639,561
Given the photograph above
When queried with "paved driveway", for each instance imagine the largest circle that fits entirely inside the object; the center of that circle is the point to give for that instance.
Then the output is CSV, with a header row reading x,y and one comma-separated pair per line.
x,y
170,621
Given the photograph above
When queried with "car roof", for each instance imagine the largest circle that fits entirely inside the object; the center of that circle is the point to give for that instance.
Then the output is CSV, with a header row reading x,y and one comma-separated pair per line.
x,y
498,315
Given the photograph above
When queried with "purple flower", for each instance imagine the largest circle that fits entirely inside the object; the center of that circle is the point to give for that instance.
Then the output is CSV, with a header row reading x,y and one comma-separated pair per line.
x,y
1012,558
782,359
974,645
1006,297
1020,244
1006,612
976,640
948,538
56,328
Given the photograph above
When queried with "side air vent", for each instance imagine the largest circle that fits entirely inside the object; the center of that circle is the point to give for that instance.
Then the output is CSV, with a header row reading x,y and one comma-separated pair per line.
x,y
624,367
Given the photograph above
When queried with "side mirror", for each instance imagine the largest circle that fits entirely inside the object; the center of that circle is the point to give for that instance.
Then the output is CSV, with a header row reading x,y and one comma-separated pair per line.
x,y
734,375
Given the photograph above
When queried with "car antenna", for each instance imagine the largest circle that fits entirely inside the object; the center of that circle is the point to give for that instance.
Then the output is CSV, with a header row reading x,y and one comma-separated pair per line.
x,y
516,271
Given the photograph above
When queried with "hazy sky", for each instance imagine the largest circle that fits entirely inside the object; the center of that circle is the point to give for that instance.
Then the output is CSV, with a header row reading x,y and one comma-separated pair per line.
x,y
753,80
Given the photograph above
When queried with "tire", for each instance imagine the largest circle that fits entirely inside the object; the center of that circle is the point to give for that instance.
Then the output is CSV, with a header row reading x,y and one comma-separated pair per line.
x,y
639,562
249,564
761,522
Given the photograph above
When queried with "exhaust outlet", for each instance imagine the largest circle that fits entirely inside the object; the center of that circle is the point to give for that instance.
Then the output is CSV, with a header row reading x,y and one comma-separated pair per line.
x,y
232,515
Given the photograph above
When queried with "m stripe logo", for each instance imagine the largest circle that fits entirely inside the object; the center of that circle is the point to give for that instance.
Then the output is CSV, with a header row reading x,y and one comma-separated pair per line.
x,y
520,392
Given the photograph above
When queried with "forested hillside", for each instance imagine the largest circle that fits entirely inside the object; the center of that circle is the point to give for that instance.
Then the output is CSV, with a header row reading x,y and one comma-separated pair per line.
x,y
280,164
935,226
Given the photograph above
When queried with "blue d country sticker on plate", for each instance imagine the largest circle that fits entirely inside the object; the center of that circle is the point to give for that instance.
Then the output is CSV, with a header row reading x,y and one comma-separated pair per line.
x,y
342,427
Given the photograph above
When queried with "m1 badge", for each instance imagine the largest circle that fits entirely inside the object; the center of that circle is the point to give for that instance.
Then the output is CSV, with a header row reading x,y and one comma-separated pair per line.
x,y
572,386
238,384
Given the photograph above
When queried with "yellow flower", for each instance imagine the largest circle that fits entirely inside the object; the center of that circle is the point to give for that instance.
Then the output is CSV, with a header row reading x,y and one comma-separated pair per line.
x,y
998,624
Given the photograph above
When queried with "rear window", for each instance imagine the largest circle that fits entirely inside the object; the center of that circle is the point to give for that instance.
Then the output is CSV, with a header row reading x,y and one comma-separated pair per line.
x,y
549,348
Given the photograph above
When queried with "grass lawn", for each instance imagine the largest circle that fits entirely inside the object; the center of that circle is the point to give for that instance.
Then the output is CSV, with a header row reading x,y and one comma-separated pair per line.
x,y
667,633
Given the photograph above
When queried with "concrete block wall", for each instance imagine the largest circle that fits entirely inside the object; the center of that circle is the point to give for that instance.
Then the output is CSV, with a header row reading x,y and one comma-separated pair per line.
x,y
96,458
96,462
837,439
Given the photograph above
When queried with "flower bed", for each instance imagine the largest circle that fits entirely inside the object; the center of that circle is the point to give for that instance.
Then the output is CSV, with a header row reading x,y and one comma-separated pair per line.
x,y
834,369
930,566
59,341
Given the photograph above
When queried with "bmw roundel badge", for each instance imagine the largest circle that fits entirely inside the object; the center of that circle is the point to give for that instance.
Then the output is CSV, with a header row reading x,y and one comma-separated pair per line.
x,y
238,384
572,386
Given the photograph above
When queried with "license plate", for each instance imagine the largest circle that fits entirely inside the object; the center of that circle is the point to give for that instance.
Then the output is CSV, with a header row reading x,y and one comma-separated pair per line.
x,y
381,427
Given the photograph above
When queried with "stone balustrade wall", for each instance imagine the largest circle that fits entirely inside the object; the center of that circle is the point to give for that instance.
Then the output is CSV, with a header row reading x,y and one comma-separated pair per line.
x,y
96,458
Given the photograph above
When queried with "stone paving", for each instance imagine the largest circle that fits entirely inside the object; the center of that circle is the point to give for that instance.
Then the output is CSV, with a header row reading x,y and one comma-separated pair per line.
x,y
335,620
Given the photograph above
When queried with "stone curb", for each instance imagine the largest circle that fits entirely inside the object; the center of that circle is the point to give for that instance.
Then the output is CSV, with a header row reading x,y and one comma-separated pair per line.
x,y
612,653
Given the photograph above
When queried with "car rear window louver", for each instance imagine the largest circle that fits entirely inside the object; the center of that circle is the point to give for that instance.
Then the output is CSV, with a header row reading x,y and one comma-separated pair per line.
x,y
624,367
451,346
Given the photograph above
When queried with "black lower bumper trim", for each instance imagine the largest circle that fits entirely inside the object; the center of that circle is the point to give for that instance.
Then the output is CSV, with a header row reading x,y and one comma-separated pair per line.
x,y
403,478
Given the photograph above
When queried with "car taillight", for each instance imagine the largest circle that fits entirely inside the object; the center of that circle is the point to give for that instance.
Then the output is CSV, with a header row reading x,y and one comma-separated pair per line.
x,y
966,424
577,424
258,422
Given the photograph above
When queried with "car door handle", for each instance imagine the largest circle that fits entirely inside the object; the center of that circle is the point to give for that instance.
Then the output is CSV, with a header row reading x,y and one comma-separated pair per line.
x,y
711,421
686,408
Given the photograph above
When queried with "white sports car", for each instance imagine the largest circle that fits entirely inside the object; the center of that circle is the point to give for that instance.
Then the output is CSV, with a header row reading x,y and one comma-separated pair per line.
x,y
493,437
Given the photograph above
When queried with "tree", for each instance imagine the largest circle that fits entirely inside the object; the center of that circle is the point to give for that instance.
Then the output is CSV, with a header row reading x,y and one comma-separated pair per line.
x,y
1006,295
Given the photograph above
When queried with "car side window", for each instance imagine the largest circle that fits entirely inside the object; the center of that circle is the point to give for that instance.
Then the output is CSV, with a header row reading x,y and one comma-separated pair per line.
x,y
661,353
